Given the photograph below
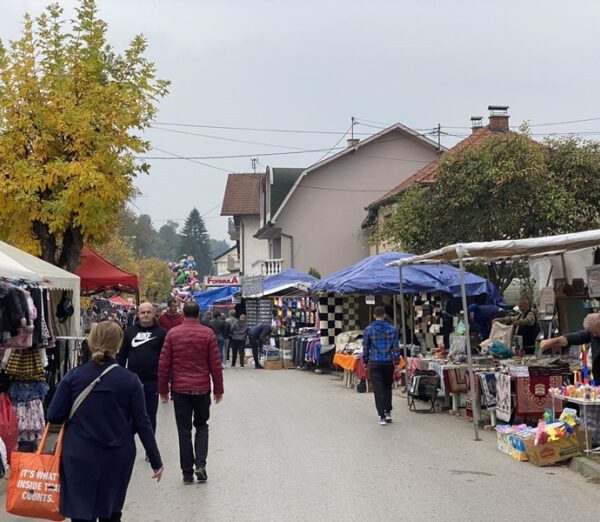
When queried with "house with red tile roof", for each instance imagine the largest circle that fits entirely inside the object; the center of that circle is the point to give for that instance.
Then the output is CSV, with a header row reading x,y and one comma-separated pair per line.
x,y
381,208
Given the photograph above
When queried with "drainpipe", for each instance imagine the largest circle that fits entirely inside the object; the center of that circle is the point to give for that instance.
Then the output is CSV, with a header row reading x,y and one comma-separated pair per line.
x,y
291,238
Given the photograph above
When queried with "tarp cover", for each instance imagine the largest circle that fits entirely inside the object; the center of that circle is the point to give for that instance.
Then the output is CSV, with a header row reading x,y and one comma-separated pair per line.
x,y
119,301
98,274
286,280
373,276
210,297
508,248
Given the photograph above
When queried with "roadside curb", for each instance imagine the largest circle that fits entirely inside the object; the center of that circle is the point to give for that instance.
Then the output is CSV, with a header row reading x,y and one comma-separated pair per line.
x,y
586,467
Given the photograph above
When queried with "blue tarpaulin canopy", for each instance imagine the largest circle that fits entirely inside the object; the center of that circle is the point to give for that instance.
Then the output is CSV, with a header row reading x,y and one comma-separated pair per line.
x,y
210,297
373,276
289,280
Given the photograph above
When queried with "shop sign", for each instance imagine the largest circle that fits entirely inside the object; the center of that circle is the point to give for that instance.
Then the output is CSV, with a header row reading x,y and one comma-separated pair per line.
x,y
222,280
370,299
252,285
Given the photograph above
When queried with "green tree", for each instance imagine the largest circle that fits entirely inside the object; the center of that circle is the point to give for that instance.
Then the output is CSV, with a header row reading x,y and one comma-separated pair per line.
x,y
155,280
218,246
508,187
168,241
195,242
72,112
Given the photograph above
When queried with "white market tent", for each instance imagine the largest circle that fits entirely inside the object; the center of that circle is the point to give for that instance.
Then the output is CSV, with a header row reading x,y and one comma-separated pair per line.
x,y
18,265
490,251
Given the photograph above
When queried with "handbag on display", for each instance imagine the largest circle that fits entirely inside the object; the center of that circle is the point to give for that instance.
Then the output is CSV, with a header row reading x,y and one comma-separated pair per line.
x,y
34,483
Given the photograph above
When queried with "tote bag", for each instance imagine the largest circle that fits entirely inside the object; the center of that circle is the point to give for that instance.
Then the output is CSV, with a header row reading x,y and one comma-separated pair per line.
x,y
34,483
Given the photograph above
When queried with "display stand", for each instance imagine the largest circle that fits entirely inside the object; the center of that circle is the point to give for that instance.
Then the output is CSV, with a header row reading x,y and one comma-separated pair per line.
x,y
584,403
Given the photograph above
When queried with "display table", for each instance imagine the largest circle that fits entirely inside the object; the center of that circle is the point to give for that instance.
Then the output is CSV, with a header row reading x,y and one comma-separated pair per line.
x,y
348,363
585,403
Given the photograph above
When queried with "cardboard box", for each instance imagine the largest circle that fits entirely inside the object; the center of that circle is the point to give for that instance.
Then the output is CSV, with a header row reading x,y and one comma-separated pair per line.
x,y
517,449
288,363
272,365
552,452
502,442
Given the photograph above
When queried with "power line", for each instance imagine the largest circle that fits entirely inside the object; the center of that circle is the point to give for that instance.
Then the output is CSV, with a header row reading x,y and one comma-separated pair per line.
x,y
222,138
234,156
255,129
337,143
177,156
341,189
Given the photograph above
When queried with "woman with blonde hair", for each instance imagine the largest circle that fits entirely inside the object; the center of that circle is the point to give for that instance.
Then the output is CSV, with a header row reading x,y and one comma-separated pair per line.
x,y
98,446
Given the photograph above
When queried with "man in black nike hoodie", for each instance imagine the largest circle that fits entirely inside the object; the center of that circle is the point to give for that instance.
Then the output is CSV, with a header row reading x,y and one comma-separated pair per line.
x,y
140,352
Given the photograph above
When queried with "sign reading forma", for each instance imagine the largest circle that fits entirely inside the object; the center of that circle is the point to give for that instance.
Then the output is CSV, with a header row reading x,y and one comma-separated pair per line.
x,y
222,280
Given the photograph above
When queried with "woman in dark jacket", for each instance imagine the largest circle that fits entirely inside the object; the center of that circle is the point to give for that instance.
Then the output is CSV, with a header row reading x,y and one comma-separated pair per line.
x,y
98,446
239,332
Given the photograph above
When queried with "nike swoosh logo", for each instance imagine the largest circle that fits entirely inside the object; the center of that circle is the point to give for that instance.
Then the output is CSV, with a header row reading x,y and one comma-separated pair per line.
x,y
137,342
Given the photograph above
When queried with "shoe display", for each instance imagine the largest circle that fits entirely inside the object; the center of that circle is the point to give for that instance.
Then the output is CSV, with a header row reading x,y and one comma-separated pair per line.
x,y
388,417
201,475
382,421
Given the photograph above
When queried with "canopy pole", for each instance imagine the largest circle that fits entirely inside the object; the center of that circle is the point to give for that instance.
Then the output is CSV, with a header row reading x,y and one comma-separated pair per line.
x,y
468,342
394,304
403,318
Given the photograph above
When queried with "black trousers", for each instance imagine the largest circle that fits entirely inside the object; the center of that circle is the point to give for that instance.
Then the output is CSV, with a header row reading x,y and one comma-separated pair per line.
x,y
382,379
116,517
254,346
151,397
238,346
192,409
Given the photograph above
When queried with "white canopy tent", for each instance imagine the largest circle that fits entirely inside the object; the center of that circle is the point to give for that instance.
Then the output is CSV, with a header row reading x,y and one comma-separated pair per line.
x,y
19,265
490,251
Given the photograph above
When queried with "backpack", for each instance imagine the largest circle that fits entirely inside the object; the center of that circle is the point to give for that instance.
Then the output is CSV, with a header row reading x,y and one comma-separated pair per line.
x,y
65,309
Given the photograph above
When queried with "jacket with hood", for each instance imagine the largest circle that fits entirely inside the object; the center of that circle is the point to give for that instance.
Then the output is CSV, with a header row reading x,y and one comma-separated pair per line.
x,y
239,331
380,343
141,349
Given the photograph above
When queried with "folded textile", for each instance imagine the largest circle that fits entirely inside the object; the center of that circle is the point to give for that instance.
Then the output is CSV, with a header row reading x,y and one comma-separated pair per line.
x,y
487,383
503,398
455,379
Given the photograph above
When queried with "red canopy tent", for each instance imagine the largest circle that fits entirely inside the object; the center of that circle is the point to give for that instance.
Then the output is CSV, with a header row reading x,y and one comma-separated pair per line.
x,y
98,275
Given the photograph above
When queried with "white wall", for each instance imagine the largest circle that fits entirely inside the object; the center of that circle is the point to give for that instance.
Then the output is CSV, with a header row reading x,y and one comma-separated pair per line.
x,y
251,249
326,224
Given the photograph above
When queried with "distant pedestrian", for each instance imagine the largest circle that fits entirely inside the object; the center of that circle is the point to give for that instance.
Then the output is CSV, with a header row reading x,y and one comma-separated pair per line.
x,y
221,328
98,447
172,316
140,352
381,355
231,320
190,362
258,336
239,333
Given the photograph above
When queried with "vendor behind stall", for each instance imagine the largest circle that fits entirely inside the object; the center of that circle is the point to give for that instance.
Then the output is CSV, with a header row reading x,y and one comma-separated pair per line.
x,y
589,335
525,323
482,315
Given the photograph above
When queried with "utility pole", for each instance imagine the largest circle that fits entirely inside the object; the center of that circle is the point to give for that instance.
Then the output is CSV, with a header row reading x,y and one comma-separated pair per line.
x,y
439,136
254,162
353,123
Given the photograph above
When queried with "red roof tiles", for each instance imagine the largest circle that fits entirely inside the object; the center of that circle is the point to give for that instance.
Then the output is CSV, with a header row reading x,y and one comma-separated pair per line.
x,y
242,195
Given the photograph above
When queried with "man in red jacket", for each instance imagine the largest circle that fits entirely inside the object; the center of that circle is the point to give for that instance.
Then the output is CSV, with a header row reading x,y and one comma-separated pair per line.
x,y
190,359
172,317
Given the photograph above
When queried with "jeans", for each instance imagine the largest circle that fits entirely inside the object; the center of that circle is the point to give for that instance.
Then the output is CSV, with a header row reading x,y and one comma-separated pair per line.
x,y
151,397
116,517
221,343
237,347
382,378
254,346
188,407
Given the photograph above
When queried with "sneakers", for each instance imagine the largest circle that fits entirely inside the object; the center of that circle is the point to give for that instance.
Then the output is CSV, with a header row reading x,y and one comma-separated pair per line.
x,y
382,421
201,475
188,480
388,417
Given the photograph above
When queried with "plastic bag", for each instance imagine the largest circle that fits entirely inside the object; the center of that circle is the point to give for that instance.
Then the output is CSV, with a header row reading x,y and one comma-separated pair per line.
x,y
9,425
500,350
460,328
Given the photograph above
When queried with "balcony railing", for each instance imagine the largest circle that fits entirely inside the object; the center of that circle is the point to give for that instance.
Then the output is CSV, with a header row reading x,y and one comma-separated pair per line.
x,y
233,230
271,267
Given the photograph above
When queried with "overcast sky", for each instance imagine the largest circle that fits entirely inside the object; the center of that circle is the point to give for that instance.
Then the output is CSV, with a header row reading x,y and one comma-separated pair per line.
x,y
312,65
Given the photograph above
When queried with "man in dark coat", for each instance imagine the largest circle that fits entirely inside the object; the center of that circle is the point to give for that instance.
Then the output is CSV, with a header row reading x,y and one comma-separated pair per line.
x,y
258,335
140,352
191,363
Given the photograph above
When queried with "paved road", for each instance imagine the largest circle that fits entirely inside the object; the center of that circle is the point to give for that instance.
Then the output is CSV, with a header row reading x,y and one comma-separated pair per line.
x,y
292,445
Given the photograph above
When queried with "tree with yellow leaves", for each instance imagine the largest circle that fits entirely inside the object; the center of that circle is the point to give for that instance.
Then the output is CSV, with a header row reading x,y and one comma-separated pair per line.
x,y
72,112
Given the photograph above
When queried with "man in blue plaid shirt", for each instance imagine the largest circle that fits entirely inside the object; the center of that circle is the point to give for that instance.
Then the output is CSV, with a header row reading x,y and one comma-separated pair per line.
x,y
381,355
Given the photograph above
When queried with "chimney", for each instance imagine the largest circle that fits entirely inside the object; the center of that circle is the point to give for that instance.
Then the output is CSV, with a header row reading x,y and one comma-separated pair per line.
x,y
352,142
476,123
498,118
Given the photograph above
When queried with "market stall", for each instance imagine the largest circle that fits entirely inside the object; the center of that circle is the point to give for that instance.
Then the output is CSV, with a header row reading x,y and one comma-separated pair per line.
x,y
39,307
209,298
486,252
99,275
